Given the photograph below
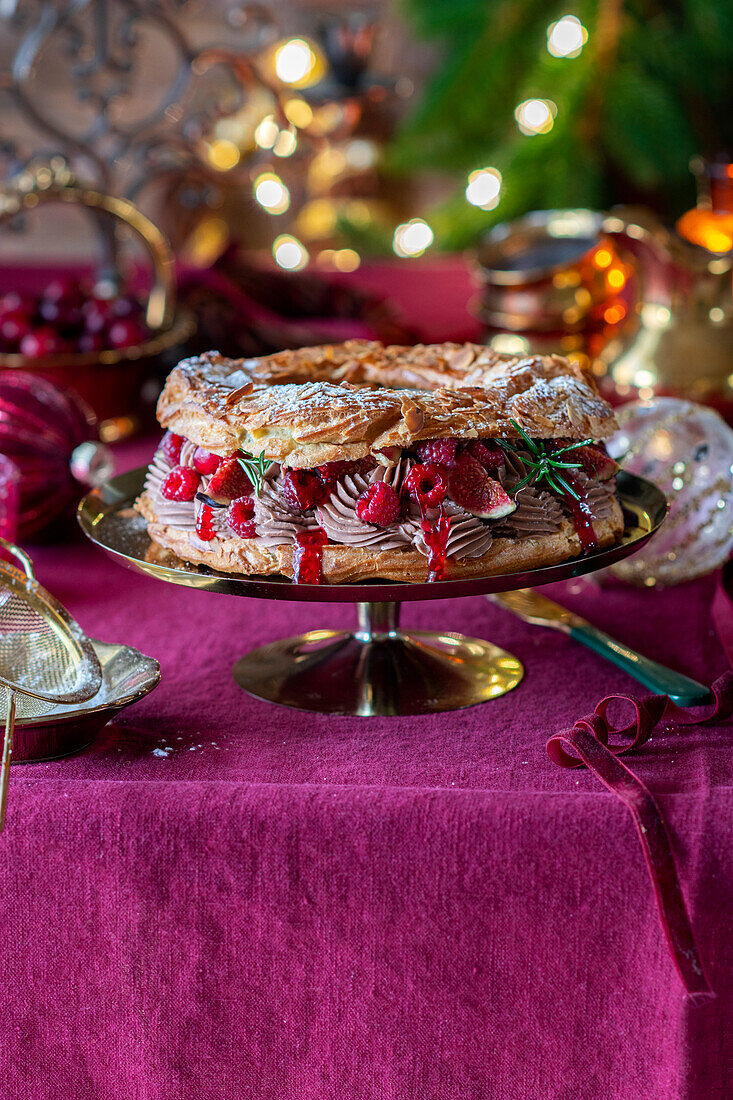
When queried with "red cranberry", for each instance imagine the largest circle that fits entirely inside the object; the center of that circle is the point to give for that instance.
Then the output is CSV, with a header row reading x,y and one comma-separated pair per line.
x,y
61,290
427,484
125,306
95,314
379,504
10,302
303,488
40,343
205,462
64,314
171,445
15,325
124,334
182,483
240,517
90,341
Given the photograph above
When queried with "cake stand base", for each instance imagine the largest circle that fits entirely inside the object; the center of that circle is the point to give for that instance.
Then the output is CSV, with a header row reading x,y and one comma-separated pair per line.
x,y
378,669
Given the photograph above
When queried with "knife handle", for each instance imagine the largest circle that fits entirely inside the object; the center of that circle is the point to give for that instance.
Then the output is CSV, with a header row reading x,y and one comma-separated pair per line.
x,y
659,679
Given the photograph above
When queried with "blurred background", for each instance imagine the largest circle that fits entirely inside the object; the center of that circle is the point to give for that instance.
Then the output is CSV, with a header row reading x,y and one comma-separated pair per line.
x,y
538,175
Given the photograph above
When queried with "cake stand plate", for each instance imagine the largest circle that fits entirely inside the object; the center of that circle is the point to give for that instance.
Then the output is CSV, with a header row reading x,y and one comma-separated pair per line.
x,y
376,669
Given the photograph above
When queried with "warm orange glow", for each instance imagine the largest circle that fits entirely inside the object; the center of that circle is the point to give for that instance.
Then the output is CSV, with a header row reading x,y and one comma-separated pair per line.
x,y
616,278
710,229
615,313
715,240
602,258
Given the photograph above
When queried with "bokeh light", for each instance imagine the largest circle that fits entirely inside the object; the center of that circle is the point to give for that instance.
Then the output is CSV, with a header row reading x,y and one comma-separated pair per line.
x,y
317,218
298,112
567,37
285,144
223,155
412,238
267,132
271,193
289,253
536,116
298,63
484,188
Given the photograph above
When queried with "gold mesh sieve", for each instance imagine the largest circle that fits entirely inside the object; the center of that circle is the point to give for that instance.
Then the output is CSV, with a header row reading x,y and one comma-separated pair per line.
x,y
45,657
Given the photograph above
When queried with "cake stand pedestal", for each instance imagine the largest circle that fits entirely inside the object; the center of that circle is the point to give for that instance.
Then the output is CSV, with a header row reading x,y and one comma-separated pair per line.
x,y
376,669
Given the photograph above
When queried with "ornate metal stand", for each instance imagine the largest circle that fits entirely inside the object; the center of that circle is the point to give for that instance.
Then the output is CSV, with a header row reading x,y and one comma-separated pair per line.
x,y
377,669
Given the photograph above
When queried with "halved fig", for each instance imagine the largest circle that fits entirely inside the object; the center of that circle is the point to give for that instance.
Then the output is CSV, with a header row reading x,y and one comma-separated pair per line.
x,y
595,461
473,489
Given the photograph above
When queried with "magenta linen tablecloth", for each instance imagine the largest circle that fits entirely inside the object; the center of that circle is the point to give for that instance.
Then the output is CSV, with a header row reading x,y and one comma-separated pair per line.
x,y
225,899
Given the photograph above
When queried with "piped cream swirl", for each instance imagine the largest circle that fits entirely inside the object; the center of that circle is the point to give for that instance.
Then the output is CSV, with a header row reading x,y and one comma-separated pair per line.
x,y
537,513
169,513
276,523
337,516
468,536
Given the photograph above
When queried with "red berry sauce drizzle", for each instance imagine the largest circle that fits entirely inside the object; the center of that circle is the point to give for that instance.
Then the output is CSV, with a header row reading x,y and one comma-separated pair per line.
x,y
424,482
204,525
582,515
436,540
308,556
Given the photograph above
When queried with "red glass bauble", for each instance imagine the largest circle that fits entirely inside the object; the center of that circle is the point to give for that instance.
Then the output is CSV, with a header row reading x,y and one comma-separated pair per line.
x,y
40,428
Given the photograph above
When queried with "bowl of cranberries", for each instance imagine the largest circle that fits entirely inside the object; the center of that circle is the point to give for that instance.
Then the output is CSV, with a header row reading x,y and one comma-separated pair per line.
x,y
87,339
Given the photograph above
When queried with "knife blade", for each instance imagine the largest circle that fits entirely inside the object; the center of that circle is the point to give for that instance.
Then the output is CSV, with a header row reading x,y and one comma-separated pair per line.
x,y
538,610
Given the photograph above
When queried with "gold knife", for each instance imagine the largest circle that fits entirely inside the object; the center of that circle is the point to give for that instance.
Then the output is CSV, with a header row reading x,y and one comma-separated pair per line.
x,y
538,610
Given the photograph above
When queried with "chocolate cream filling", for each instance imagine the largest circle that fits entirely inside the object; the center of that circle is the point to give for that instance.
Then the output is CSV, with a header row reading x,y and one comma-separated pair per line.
x,y
538,512
276,523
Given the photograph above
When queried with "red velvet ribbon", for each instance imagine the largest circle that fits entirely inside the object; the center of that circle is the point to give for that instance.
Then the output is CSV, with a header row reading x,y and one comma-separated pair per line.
x,y
588,743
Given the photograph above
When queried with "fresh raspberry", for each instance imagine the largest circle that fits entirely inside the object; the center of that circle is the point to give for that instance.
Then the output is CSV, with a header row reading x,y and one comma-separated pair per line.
x,y
379,504
427,484
240,517
229,481
181,484
491,458
473,489
303,488
204,526
330,472
440,451
206,462
171,445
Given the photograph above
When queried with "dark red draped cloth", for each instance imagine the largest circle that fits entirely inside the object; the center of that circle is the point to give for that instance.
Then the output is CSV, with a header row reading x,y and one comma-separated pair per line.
x,y
222,898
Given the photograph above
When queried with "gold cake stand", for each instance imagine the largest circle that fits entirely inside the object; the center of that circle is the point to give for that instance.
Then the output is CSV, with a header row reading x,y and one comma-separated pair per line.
x,y
376,669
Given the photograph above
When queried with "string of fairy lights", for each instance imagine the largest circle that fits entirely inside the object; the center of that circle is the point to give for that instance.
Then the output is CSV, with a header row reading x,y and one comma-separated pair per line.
x,y
565,39
277,118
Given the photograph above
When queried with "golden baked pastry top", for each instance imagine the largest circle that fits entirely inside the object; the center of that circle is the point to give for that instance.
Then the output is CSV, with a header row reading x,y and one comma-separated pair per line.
x,y
317,405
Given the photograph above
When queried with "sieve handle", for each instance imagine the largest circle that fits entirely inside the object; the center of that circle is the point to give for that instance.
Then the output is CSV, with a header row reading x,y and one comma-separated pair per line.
x,y
19,555
7,753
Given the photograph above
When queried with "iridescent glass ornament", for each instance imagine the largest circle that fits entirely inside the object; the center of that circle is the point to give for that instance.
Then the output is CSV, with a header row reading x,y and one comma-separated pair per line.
x,y
686,450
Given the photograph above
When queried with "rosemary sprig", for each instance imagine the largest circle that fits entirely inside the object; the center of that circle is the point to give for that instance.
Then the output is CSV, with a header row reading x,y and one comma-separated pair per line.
x,y
547,466
254,468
